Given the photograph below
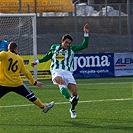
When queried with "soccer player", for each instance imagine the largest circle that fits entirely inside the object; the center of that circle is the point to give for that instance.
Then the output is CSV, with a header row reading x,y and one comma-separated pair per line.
x,y
3,44
10,81
62,56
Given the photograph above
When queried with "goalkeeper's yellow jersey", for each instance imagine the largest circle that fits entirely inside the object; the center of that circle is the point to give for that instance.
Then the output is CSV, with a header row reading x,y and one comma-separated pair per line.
x,y
11,65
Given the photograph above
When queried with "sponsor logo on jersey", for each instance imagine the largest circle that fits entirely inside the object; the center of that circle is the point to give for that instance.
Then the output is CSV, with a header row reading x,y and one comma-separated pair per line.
x,y
60,57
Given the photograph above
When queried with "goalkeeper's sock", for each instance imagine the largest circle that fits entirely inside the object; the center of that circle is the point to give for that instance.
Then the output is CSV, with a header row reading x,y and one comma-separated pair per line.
x,y
64,92
39,104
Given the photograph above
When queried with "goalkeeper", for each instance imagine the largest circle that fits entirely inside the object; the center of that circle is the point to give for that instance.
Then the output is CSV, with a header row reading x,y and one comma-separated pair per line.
x,y
10,81
62,56
3,44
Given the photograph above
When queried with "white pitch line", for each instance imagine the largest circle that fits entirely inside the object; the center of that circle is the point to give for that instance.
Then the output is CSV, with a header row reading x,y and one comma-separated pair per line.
x,y
106,83
105,100
89,101
96,83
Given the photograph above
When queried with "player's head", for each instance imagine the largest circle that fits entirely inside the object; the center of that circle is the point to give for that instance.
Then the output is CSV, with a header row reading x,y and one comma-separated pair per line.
x,y
66,41
12,46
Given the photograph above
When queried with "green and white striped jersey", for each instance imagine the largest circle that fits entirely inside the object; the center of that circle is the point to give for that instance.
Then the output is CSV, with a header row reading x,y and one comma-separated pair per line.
x,y
61,58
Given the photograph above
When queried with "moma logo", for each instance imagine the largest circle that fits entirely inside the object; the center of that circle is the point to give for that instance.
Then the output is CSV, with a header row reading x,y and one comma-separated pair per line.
x,y
91,61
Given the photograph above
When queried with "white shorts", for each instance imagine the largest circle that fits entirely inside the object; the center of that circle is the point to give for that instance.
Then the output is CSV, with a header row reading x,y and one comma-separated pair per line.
x,y
66,76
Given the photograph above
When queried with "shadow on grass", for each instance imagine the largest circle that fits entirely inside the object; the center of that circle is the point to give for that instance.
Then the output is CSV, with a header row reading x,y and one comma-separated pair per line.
x,y
104,124
100,124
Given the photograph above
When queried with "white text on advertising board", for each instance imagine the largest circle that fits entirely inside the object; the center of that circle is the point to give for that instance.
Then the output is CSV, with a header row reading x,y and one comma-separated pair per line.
x,y
91,61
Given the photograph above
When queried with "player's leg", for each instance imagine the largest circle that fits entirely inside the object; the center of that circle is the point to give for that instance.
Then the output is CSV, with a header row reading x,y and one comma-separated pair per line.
x,y
71,84
4,91
63,88
75,97
24,91
57,78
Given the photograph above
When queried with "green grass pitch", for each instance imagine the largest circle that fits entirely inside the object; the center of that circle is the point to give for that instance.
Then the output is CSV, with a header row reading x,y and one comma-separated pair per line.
x,y
105,106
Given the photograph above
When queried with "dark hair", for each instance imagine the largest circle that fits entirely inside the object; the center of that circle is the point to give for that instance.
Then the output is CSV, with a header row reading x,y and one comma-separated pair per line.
x,y
12,46
67,36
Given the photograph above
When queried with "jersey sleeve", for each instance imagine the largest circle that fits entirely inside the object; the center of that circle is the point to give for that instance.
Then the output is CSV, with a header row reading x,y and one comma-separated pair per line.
x,y
81,46
27,73
47,56
2,55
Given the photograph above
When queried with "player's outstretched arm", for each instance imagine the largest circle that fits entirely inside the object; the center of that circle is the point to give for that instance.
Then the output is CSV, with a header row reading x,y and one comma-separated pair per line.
x,y
39,84
86,28
85,42
33,63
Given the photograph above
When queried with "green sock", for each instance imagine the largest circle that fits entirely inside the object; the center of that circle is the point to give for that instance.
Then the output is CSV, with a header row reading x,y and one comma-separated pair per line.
x,y
65,93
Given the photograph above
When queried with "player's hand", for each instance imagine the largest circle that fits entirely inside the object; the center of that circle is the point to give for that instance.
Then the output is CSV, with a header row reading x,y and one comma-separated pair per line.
x,y
39,84
86,28
33,64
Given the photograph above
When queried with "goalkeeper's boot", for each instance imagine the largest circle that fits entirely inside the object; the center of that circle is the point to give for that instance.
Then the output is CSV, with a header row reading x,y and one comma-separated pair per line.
x,y
48,107
73,113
